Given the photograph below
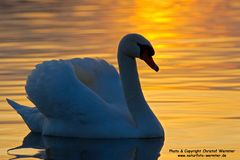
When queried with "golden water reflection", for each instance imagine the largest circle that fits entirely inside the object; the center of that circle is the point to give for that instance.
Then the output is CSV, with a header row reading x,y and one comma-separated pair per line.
x,y
196,92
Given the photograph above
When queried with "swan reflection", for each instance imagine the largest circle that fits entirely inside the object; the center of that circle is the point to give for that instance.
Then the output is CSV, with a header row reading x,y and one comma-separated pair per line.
x,y
89,149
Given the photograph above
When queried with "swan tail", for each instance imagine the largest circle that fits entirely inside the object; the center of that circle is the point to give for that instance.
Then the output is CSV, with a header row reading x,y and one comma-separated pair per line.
x,y
19,108
31,116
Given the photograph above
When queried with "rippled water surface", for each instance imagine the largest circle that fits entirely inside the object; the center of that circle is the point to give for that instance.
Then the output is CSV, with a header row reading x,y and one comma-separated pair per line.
x,y
196,93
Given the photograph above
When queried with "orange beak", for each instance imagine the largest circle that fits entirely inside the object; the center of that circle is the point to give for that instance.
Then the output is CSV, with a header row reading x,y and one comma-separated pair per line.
x,y
149,60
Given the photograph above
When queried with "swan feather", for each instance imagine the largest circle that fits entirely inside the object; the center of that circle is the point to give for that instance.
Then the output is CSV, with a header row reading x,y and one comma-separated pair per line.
x,y
58,88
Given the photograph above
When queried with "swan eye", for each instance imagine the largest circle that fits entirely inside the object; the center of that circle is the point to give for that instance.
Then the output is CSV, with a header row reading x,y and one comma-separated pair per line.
x,y
146,53
146,49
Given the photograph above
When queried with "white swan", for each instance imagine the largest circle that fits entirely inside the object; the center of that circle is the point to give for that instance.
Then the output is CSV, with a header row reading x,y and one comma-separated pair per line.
x,y
87,98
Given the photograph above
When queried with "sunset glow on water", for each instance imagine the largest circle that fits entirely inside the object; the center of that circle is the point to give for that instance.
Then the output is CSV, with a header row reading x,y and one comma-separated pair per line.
x,y
195,94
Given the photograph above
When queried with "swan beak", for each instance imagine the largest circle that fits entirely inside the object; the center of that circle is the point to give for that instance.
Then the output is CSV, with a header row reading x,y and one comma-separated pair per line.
x,y
149,60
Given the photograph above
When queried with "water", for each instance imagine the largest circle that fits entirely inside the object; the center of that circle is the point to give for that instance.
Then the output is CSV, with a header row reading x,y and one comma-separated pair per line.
x,y
196,93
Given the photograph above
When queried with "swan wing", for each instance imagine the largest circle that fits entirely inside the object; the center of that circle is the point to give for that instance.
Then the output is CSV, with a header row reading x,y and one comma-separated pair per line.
x,y
70,88
102,78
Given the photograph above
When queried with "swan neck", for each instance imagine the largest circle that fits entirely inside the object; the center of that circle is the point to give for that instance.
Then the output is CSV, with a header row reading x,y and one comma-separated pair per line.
x,y
129,77
144,118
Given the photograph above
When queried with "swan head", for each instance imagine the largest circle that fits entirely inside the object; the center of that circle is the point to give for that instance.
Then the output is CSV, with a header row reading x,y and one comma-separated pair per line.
x,y
137,46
